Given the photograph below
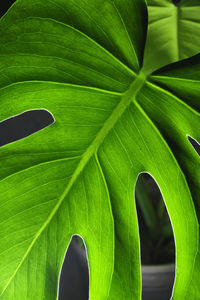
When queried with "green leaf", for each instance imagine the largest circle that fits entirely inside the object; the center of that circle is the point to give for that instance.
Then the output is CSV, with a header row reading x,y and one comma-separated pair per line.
x,y
171,100
173,32
81,61
65,57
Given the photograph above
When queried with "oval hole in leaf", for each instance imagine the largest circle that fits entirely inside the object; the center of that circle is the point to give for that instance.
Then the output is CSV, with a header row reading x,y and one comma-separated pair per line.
x,y
195,144
23,125
156,234
74,276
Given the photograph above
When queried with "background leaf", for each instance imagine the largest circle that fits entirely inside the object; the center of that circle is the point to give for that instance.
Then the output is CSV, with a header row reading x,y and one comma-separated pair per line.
x,y
173,32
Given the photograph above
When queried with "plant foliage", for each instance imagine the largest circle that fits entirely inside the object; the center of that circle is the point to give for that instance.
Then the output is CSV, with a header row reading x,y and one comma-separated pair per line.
x,y
81,61
173,32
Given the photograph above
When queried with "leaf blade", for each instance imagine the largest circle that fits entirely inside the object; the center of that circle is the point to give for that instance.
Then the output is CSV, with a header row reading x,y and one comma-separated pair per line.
x,y
173,33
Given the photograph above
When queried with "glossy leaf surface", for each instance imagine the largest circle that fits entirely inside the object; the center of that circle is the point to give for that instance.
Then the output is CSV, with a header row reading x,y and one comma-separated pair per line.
x,y
173,32
81,61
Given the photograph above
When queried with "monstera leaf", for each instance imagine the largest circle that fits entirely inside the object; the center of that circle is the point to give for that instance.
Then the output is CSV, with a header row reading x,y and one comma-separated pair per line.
x,y
173,32
81,61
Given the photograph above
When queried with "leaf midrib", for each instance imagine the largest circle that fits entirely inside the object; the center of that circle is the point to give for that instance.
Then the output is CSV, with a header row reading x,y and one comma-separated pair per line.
x,y
126,99
177,12
176,18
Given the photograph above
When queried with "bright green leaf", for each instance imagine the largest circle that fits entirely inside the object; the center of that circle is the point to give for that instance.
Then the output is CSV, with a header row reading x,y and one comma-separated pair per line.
x,y
171,100
81,61
65,57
